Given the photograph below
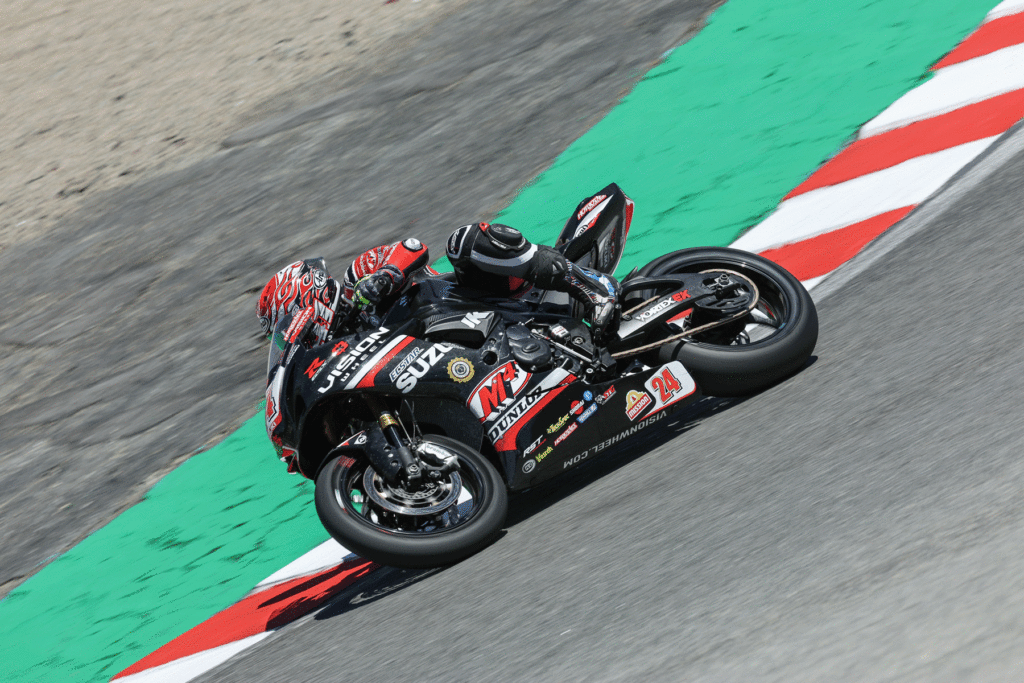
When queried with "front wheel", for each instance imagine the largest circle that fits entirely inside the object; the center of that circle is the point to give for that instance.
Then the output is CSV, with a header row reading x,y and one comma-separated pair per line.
x,y
773,341
439,524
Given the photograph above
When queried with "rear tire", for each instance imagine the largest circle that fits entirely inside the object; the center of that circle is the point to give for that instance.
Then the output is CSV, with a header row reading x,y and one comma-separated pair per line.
x,y
722,369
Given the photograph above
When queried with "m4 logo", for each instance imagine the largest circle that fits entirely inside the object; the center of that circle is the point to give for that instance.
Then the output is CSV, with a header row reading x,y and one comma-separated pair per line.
x,y
497,390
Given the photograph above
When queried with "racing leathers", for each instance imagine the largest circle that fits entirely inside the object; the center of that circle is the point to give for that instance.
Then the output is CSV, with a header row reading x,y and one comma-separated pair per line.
x,y
493,258
498,258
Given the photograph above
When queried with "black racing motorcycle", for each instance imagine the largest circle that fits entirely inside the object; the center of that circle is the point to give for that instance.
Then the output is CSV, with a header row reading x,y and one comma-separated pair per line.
x,y
416,427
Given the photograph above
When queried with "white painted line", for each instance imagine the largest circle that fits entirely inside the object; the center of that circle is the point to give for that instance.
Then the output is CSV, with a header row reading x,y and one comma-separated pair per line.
x,y
328,554
953,87
810,283
1005,9
187,668
836,206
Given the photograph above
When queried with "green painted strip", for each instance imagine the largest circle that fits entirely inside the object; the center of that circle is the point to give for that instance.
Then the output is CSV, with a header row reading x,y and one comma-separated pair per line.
x,y
706,144
200,540
713,138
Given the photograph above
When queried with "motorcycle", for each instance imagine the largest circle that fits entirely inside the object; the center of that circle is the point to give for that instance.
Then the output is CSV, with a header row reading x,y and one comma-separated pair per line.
x,y
417,426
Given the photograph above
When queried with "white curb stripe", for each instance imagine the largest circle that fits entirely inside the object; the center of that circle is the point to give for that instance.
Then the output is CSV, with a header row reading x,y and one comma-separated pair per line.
x,y
1005,9
328,554
187,668
953,87
836,206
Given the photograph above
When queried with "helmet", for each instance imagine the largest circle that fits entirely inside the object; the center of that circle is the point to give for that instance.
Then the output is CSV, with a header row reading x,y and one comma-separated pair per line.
x,y
295,286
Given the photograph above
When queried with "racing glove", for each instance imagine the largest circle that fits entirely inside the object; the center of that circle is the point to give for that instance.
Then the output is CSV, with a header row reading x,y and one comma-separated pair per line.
x,y
373,288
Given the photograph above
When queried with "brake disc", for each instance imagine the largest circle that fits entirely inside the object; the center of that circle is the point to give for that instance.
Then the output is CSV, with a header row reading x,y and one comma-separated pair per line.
x,y
432,498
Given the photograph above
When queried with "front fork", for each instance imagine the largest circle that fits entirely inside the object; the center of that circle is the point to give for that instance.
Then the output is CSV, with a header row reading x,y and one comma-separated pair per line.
x,y
389,452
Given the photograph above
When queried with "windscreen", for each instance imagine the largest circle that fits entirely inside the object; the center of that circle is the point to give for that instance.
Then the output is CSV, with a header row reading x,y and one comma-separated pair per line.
x,y
278,344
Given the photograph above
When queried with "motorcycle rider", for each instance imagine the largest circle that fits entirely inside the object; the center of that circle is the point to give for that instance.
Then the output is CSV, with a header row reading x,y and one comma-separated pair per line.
x,y
492,257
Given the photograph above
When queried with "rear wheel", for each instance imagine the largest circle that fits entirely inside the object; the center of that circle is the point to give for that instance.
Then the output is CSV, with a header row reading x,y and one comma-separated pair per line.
x,y
438,524
772,341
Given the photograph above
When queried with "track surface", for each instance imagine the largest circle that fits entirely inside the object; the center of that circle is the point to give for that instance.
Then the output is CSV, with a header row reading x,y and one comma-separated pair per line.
x,y
861,521
119,319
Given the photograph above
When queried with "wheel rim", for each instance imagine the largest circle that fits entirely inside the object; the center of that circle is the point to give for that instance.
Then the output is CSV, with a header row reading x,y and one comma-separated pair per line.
x,y
440,507
770,317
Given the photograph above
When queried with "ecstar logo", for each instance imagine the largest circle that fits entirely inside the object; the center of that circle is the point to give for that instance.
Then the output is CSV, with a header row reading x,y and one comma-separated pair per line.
x,y
431,357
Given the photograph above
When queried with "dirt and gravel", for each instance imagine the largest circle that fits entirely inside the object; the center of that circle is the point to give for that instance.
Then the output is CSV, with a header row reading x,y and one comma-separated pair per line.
x,y
100,94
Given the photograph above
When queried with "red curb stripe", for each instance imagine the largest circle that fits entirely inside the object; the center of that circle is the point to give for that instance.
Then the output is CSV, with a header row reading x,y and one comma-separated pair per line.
x,y
822,254
367,381
257,613
991,36
966,124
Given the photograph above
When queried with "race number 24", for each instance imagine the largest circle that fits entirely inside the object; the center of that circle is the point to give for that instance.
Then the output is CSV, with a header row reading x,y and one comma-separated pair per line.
x,y
666,384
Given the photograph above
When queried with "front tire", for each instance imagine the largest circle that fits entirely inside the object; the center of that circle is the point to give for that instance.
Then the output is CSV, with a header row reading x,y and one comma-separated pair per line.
x,y
741,365
462,528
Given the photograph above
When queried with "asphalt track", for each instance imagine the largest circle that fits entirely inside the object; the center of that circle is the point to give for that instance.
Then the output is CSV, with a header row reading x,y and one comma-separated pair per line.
x,y
119,319
860,521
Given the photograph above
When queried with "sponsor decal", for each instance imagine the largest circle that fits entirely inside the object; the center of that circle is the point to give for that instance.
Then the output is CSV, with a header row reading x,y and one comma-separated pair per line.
x,y
431,357
497,390
681,296
319,278
565,435
636,403
529,466
655,309
510,416
577,407
558,424
413,355
412,244
473,320
314,368
586,415
273,413
533,446
349,358
340,347
460,370
559,331
355,440
608,393
588,395
580,457
545,453
590,205
298,322
669,384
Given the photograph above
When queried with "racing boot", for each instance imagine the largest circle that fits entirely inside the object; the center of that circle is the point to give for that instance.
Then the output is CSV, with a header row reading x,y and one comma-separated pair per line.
x,y
599,294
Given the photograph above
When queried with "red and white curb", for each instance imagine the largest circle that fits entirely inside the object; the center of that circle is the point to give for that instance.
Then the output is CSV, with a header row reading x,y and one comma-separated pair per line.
x,y
294,591
902,156
899,159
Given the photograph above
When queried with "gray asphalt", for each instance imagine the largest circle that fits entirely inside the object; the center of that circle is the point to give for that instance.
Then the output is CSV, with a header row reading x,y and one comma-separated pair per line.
x,y
861,521
128,334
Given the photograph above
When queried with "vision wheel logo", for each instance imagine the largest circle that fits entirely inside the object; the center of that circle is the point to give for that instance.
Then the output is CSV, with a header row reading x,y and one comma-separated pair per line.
x,y
460,370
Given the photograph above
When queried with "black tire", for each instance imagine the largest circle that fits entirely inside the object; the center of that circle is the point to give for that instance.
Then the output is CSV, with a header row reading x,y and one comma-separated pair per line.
x,y
738,370
396,547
